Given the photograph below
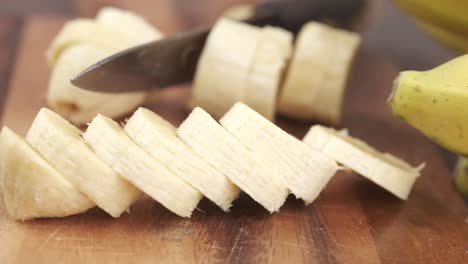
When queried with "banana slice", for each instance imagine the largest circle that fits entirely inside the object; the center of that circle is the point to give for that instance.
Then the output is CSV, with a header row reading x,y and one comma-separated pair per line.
x,y
305,170
387,171
60,143
215,145
134,27
114,147
223,68
273,50
80,106
31,187
316,80
158,138
87,31
82,42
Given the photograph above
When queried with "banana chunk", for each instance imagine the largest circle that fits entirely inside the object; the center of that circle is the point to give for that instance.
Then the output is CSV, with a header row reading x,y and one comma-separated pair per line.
x,y
241,62
31,187
273,50
80,106
158,137
61,144
83,42
135,28
316,80
87,31
387,171
221,150
224,66
305,170
113,146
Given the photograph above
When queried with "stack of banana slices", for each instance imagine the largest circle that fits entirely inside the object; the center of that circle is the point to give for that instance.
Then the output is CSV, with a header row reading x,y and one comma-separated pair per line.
x,y
59,171
257,66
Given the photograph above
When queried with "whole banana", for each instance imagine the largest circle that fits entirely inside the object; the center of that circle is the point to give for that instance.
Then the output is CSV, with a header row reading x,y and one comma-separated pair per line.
x,y
446,20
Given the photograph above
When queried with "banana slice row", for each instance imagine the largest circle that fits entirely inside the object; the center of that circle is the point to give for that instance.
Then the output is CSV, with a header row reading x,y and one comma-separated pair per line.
x,y
59,171
79,44
245,63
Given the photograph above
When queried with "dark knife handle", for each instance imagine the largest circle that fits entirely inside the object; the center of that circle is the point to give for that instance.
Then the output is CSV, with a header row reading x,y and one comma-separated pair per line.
x,y
292,14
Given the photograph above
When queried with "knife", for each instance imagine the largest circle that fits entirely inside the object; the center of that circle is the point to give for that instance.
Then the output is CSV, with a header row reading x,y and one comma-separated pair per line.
x,y
172,60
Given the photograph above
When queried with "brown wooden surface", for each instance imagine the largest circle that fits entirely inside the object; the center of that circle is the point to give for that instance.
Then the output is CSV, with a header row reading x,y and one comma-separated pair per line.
x,y
353,221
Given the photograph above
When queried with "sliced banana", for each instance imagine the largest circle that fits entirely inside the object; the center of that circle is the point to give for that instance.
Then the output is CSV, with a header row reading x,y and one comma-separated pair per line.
x,y
80,106
216,146
272,53
87,31
387,171
241,62
158,137
224,65
133,26
31,187
83,42
113,146
60,143
305,170
316,80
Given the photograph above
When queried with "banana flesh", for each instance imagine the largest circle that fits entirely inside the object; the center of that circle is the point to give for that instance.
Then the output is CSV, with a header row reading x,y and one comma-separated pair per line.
x,y
305,170
61,144
434,102
224,65
316,79
32,188
241,62
387,171
80,106
79,44
81,31
121,153
158,137
273,50
215,145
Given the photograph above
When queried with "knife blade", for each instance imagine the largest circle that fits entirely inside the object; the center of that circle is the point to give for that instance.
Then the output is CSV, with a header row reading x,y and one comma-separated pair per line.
x,y
173,60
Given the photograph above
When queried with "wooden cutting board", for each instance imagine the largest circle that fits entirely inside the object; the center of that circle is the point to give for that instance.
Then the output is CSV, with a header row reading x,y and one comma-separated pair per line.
x,y
353,220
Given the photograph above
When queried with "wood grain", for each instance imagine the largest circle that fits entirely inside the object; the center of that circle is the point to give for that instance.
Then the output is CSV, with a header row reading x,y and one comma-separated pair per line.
x,y
353,220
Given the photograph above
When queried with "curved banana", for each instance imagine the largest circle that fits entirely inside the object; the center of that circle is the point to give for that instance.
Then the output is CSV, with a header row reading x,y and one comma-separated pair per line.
x,y
446,20
435,102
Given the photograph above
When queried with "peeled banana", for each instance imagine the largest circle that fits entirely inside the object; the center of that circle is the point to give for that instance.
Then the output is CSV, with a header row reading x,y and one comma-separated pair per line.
x,y
435,102
80,106
61,144
241,62
255,176
158,137
316,79
31,187
273,50
79,44
387,171
304,170
122,154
